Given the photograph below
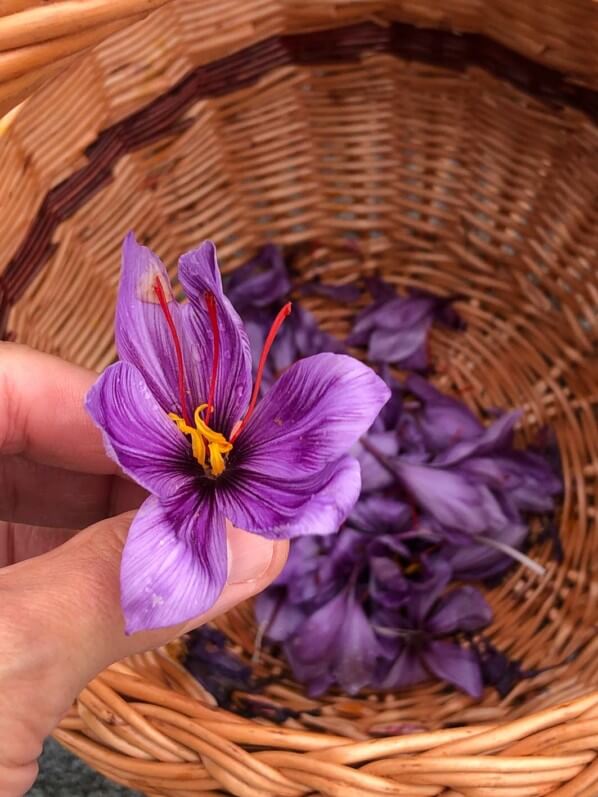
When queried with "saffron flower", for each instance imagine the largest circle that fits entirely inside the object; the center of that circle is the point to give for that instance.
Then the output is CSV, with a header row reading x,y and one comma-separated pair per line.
x,y
417,636
180,416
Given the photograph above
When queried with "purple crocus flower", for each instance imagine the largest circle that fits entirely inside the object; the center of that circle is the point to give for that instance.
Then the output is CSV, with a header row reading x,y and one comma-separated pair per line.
x,y
414,636
180,417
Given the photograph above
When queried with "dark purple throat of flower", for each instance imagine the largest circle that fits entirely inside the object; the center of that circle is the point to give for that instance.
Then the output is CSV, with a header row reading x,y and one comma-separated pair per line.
x,y
211,448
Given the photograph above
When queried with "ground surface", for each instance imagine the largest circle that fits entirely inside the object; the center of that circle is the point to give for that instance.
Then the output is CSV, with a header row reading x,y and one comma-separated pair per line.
x,y
62,775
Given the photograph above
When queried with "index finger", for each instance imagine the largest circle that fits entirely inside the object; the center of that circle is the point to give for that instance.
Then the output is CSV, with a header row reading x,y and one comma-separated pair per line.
x,y
42,415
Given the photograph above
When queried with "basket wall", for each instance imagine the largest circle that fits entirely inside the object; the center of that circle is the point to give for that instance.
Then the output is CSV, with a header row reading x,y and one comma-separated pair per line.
x,y
38,40
455,180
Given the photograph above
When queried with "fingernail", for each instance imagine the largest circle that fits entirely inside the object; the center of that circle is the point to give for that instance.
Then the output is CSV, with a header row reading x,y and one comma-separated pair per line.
x,y
249,556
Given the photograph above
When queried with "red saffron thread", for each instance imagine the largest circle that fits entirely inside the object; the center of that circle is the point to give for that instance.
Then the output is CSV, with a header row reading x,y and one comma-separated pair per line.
x,y
274,329
159,291
211,302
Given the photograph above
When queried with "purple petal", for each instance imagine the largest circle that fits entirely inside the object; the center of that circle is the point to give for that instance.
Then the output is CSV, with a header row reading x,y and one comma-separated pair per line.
x,y
312,416
261,281
494,438
335,643
406,670
475,560
443,420
396,345
374,476
463,609
280,509
451,499
279,618
359,650
143,337
170,573
140,436
199,275
378,514
456,665
424,593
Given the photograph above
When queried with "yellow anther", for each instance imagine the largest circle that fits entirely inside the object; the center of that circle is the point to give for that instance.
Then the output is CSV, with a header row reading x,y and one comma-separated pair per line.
x,y
216,459
201,434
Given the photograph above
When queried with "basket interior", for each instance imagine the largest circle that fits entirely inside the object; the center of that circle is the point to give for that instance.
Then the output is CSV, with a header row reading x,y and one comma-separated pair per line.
x,y
446,174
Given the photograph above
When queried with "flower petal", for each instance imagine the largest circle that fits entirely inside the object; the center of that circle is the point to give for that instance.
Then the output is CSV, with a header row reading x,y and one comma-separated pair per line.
x,y
312,416
142,334
451,499
278,509
335,643
261,281
493,439
455,664
406,670
171,574
140,436
374,476
476,560
463,609
379,514
277,615
200,275
397,345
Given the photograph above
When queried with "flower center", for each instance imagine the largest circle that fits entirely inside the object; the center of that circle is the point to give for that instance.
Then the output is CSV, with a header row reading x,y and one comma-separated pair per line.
x,y
211,448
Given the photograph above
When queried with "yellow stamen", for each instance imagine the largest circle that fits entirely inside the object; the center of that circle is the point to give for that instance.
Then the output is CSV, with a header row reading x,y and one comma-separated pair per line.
x,y
203,441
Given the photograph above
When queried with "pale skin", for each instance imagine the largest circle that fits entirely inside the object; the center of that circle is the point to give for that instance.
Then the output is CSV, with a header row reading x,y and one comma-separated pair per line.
x,y
64,503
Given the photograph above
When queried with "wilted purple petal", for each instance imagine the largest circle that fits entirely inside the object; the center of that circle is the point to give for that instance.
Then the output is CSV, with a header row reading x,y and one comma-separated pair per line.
x,y
406,669
463,609
378,514
142,439
476,560
494,439
261,281
336,643
279,618
426,592
396,345
359,649
455,664
374,476
200,275
315,411
172,571
451,498
443,420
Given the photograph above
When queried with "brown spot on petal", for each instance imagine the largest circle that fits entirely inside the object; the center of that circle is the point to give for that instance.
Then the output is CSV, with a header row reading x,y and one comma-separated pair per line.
x,y
146,291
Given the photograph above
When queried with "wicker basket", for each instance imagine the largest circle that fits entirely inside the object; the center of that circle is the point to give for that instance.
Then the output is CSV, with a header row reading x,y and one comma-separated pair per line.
x,y
462,166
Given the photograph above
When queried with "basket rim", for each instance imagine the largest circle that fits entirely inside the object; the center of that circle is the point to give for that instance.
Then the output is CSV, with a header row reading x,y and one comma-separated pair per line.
x,y
164,115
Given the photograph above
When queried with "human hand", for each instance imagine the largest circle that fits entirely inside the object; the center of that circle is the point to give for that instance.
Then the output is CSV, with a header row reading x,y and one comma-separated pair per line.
x,y
60,616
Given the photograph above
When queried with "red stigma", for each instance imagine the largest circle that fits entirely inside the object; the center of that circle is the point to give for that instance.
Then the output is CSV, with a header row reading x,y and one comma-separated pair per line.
x,y
159,291
211,302
274,329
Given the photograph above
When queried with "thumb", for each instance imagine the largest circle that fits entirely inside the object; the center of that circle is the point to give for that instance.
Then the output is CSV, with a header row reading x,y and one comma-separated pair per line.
x,y
72,597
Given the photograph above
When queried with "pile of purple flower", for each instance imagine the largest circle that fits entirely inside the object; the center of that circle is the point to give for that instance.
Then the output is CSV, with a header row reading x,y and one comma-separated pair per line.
x,y
445,500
